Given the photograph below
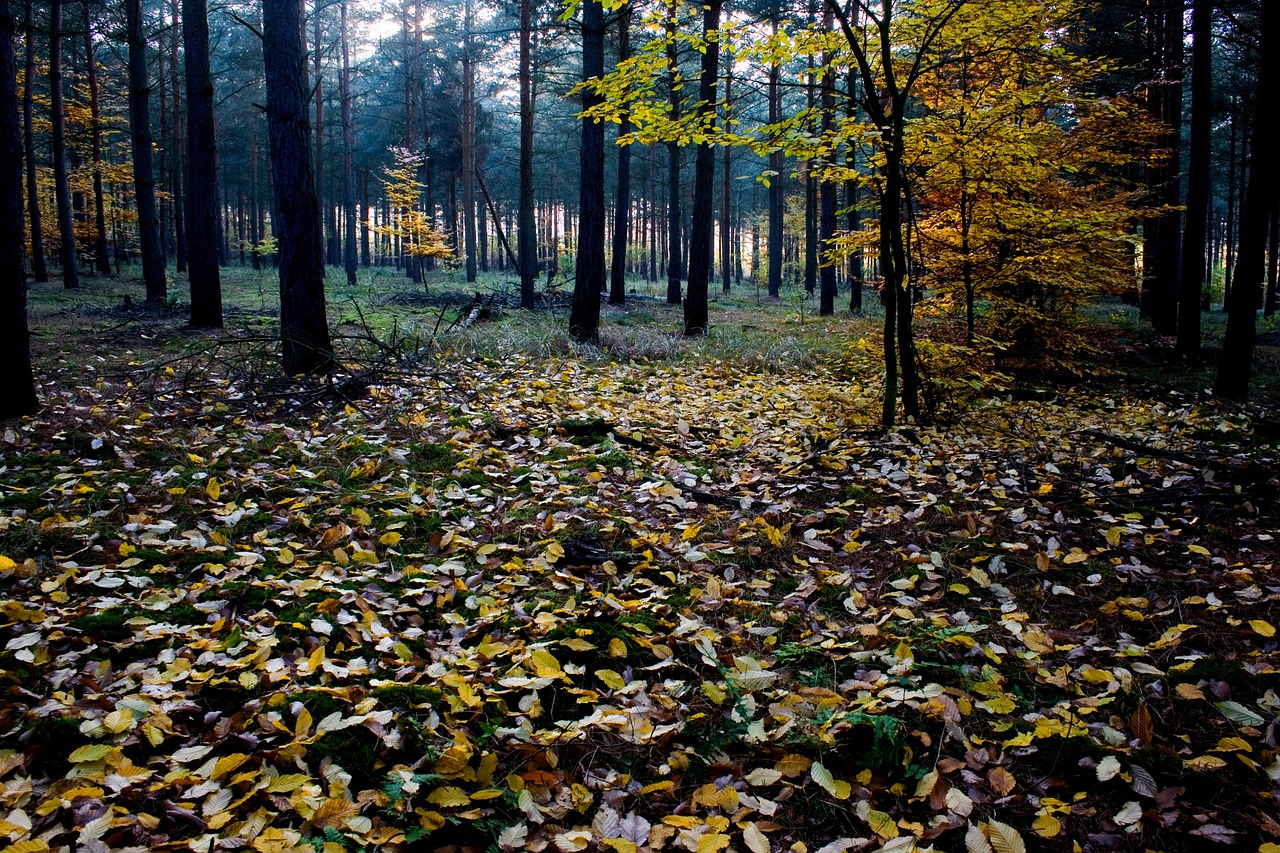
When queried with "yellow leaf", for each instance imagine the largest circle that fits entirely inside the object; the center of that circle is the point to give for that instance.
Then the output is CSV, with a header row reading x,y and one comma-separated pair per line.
x,y
285,557
119,720
92,752
1004,838
227,763
1233,744
288,783
1189,691
712,843
31,845
792,765
334,812
1263,627
213,488
390,539
882,824
755,839
1205,763
1198,549
1046,826
449,797
617,648
612,680
545,664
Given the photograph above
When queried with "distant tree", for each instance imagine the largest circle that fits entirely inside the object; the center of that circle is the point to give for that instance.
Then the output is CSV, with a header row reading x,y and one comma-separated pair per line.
x,y
101,254
68,256
527,229
17,387
39,269
144,178
348,157
304,325
622,198
1193,273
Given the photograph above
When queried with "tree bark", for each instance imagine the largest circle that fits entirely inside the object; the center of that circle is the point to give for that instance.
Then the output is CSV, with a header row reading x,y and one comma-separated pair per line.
x,y
1162,252
527,227
203,189
468,149
58,120
584,315
776,165
1194,236
17,385
827,202
622,198
144,176
673,165
726,190
704,177
101,254
348,163
1235,365
175,162
304,327
39,268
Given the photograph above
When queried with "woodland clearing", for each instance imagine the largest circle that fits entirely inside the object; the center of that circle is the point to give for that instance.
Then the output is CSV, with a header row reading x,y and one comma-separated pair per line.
x,y
500,592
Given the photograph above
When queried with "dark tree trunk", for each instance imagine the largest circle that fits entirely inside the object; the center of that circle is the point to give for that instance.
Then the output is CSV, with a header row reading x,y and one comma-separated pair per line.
x,y
304,326
318,164
101,254
1194,265
58,120
776,164
726,186
811,198
17,386
704,178
622,198
1235,365
40,270
527,227
1272,303
144,177
1162,253
254,202
175,162
827,202
203,189
366,258
348,163
674,239
584,316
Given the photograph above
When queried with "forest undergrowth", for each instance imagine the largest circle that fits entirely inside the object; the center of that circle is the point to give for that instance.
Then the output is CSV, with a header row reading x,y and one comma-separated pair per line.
x,y
506,594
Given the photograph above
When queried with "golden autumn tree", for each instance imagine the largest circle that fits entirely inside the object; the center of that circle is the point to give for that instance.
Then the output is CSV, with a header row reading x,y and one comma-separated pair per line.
x,y
419,238
1018,172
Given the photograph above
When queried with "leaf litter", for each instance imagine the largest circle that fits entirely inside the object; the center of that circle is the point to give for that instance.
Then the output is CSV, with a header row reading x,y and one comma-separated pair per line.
x,y
563,605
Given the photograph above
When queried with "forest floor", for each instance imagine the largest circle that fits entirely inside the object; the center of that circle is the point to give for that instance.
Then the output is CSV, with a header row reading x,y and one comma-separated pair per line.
x,y
491,591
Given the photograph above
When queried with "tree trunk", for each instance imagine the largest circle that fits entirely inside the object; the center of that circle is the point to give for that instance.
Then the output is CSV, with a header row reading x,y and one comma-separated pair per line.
x,y
40,269
101,254
1193,267
622,198
318,96
304,326
811,198
203,189
528,228
468,149
776,165
66,228
17,386
1235,365
673,165
704,178
175,163
584,315
348,162
827,202
1162,252
144,178
726,190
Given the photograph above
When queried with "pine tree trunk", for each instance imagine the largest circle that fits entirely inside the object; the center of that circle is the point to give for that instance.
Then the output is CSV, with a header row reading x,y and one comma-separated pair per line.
x,y
622,198
527,236
827,202
39,268
1235,365
674,237
17,386
468,150
776,164
584,314
1193,267
348,161
726,189
66,228
101,254
177,188
704,178
203,189
144,177
304,325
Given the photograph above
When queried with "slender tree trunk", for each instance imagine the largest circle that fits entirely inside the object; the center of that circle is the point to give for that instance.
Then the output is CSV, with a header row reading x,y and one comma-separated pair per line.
x,y
527,227
726,189
468,150
176,165
1235,365
811,196
704,178
202,171
674,239
827,201
776,165
1193,267
257,225
622,198
58,121
318,71
144,178
17,385
101,254
1229,246
1163,253
304,326
40,270
584,315
1272,303
348,162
